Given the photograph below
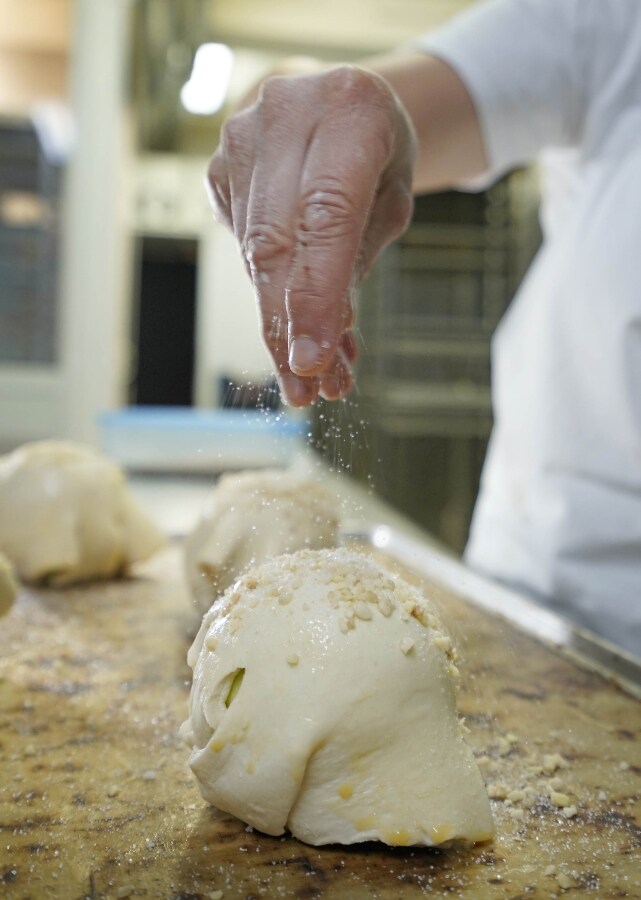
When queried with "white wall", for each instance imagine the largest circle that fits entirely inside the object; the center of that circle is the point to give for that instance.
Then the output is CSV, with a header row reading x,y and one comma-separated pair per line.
x,y
229,341
97,251
63,400
169,200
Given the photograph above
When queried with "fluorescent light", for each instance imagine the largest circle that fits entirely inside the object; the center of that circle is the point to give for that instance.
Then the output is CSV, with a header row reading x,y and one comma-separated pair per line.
x,y
205,92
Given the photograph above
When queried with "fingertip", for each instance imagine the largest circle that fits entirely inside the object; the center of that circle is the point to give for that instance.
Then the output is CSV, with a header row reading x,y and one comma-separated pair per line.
x,y
305,355
297,391
330,388
349,347
337,384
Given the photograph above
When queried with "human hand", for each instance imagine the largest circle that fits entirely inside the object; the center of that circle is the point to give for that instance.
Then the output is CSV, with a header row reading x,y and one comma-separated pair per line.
x,y
314,180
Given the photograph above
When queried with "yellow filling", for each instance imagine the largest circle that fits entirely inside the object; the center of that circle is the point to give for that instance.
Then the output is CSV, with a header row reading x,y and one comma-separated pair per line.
x,y
398,838
440,833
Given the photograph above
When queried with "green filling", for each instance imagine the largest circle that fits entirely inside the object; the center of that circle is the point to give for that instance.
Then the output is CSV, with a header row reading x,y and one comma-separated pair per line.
x,y
236,682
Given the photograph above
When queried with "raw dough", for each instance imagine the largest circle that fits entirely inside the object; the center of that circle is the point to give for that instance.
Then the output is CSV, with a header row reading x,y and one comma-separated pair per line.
x,y
8,586
66,515
254,516
324,702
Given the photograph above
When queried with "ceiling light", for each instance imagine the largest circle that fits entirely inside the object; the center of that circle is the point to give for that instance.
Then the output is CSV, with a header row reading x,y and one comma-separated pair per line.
x,y
205,92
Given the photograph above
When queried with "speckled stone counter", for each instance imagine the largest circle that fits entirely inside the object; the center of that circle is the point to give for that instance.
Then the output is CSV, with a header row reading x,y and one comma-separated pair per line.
x,y
97,801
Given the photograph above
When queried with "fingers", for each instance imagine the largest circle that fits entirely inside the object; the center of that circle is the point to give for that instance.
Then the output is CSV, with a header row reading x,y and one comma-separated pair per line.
x,y
314,180
349,347
337,382
230,172
349,150
334,384
390,217
312,190
296,391
283,124
218,191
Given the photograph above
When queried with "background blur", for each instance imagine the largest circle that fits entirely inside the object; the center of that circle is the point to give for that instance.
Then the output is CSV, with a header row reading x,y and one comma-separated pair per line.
x,y
118,290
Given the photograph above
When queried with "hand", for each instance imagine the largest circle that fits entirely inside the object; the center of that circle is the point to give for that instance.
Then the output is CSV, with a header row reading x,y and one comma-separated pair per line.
x,y
314,180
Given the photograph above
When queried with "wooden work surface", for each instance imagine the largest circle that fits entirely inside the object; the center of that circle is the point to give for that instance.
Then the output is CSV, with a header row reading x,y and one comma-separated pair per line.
x,y
97,801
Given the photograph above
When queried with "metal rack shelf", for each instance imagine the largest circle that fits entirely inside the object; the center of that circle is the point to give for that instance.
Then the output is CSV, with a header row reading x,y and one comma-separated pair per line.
x,y
426,316
29,212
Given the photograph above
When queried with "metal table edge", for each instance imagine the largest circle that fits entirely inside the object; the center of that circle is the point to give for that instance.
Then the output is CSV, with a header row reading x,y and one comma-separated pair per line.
x,y
580,645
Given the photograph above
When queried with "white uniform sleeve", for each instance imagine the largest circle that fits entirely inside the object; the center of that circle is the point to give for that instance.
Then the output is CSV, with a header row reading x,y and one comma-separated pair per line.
x,y
522,62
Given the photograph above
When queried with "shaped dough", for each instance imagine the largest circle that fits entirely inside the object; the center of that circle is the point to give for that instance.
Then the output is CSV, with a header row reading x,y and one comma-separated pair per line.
x,y
8,586
254,516
323,701
66,515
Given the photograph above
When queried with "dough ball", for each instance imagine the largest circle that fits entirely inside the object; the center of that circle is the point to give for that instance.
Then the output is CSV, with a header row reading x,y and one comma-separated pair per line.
x,y
66,515
252,517
8,586
324,702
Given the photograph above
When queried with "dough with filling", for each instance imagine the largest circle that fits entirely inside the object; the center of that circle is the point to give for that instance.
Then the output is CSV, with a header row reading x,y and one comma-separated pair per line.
x,y
66,515
324,702
253,516
8,586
